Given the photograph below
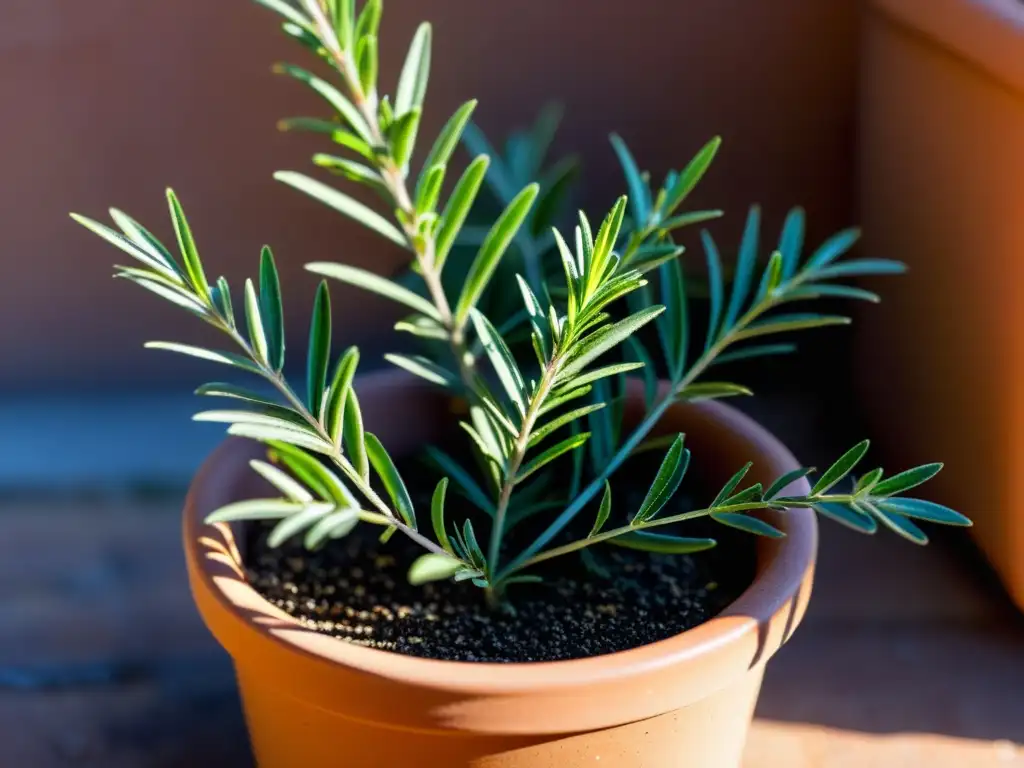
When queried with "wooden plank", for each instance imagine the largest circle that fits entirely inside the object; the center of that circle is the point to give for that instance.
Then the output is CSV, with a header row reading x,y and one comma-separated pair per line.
x,y
116,589
179,715
782,745
908,656
879,678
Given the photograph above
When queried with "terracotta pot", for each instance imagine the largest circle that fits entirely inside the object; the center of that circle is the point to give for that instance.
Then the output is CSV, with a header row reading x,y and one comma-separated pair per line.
x,y
942,163
310,699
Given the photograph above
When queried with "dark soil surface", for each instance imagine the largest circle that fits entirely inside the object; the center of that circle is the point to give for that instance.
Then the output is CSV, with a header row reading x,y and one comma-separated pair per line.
x,y
355,589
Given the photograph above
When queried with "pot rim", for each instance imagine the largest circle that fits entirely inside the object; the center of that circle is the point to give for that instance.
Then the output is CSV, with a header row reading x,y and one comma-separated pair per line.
x,y
771,589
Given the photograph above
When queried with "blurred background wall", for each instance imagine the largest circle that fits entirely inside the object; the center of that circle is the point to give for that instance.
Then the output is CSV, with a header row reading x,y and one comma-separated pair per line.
x,y
109,101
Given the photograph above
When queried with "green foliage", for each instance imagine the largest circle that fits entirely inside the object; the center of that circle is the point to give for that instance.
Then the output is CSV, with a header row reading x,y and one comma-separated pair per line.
x,y
542,367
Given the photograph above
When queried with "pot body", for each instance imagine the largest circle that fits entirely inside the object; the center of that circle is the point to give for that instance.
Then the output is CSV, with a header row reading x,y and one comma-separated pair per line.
x,y
310,699
709,733
942,158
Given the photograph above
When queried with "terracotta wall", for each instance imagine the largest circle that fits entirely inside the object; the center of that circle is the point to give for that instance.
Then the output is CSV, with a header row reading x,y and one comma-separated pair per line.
x,y
109,101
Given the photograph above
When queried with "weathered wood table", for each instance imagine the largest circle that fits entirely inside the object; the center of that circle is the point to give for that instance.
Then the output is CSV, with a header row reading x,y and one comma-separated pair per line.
x,y
908,657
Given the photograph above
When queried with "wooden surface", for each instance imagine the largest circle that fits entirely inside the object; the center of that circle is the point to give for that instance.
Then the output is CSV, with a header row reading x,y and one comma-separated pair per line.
x,y
908,657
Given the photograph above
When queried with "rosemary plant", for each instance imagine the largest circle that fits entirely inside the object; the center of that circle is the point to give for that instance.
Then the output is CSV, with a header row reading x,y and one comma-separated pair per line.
x,y
585,292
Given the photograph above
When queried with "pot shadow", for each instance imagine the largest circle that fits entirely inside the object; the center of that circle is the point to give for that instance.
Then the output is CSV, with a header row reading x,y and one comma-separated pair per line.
x,y
900,639
764,628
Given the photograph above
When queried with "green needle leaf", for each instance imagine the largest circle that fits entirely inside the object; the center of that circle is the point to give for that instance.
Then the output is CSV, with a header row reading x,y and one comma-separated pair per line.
x,y
368,281
599,373
284,9
393,483
755,350
412,83
923,510
286,420
220,389
868,481
126,245
494,247
433,567
601,341
425,368
366,55
296,523
666,482
790,323
332,526
254,509
716,286
772,276
860,267
402,135
848,516
833,248
730,486
552,453
343,204
313,473
817,290
344,373
282,481
661,543
458,207
448,139
747,524
271,309
255,323
355,440
899,524
333,129
692,174
353,171
145,240
467,485
472,547
841,468
179,296
673,325
345,108
791,242
745,264
319,349
785,480
906,480
429,189
639,191
603,511
189,253
541,433
501,359
369,19
272,434
689,219
437,515
711,390
343,17
227,358
569,393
